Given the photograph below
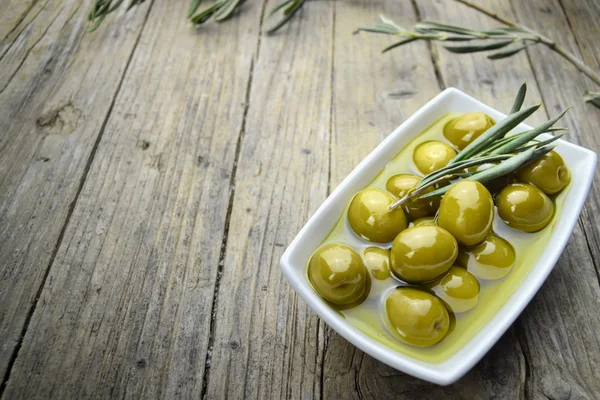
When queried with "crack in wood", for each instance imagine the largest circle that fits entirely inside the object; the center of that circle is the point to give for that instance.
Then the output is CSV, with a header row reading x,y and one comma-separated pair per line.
x,y
227,223
432,51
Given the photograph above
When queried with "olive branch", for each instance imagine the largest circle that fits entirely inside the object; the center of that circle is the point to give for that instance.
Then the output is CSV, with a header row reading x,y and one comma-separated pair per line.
x,y
499,42
496,153
219,11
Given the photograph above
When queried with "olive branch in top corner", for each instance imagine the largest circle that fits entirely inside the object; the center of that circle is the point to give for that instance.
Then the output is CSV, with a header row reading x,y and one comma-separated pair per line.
x,y
501,42
498,43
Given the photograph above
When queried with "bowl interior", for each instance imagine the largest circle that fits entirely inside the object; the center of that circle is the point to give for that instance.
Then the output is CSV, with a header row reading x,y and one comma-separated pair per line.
x,y
296,256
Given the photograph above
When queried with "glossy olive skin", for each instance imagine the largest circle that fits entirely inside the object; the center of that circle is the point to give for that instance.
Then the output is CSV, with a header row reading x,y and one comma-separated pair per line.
x,y
461,131
459,289
417,317
467,212
548,173
338,274
492,259
400,185
432,155
425,221
524,207
377,260
370,219
423,253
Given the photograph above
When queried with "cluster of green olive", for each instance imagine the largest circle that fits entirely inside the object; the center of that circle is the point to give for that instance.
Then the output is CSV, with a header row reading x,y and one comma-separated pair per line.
x,y
440,248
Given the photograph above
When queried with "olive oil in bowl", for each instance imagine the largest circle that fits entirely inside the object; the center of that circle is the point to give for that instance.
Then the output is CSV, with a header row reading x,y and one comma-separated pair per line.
x,y
496,284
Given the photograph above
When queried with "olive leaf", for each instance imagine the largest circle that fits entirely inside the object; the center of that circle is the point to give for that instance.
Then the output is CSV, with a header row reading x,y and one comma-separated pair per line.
x,y
495,132
477,47
438,27
516,47
500,42
193,7
504,153
525,137
398,44
592,98
290,7
519,99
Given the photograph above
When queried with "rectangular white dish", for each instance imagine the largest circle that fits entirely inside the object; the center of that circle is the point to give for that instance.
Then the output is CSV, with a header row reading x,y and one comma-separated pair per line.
x,y
295,258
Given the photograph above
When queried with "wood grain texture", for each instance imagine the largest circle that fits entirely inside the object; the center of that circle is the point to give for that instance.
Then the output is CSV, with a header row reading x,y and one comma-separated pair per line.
x,y
51,113
13,12
126,308
561,325
267,342
151,175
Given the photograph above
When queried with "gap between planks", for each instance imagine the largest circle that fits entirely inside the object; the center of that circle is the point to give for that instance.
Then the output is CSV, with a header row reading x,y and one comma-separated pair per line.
x,y
86,171
226,225
331,123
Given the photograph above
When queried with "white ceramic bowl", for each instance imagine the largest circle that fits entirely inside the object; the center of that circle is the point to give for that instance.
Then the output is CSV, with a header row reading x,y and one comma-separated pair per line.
x,y
294,260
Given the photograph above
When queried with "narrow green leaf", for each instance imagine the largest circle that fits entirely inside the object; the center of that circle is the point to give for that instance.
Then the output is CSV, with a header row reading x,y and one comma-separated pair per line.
x,y
540,144
458,39
377,29
225,11
391,23
204,16
508,52
193,7
518,103
451,169
293,10
592,98
97,24
504,31
279,7
495,132
436,26
116,5
489,174
398,44
133,3
522,139
507,139
291,7
476,48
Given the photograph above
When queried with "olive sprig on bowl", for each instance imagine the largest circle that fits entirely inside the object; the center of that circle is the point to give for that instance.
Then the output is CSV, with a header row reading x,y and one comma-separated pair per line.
x,y
493,153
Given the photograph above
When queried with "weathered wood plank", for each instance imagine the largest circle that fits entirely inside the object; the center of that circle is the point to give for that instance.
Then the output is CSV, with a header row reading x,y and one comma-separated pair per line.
x,y
561,326
13,13
547,321
400,82
54,98
267,343
126,308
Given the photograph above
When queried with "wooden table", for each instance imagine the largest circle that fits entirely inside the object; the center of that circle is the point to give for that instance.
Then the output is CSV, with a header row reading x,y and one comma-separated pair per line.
x,y
151,175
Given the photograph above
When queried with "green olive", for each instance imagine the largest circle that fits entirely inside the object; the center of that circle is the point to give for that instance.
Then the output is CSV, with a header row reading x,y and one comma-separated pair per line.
x,y
432,155
461,131
459,289
423,253
524,207
377,260
370,218
492,259
338,274
548,173
417,317
400,185
467,212
427,221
